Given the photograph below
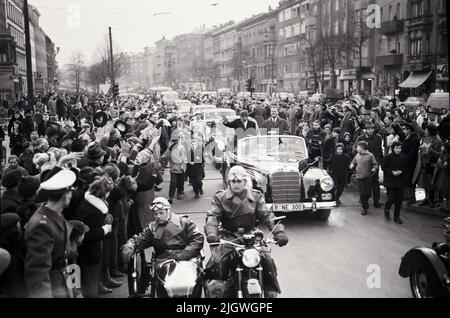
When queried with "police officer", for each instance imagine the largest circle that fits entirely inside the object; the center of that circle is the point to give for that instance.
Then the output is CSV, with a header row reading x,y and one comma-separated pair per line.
x,y
47,240
238,209
172,236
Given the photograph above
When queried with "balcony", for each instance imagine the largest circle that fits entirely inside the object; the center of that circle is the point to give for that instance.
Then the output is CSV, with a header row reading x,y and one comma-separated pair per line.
x,y
392,27
421,59
420,22
389,60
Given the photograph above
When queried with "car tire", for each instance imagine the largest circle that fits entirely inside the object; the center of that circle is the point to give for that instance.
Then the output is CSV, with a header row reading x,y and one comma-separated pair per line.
x,y
424,282
323,215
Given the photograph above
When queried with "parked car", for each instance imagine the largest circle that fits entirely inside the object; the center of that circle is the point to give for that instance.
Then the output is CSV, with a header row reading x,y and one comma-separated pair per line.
x,y
439,100
277,165
201,108
317,98
413,103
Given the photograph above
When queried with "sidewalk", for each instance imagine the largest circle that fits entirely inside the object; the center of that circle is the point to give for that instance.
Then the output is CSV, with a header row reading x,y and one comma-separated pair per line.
x,y
413,208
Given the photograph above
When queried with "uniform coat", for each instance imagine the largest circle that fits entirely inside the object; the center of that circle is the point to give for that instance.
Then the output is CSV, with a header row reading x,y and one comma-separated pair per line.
x,y
179,239
47,248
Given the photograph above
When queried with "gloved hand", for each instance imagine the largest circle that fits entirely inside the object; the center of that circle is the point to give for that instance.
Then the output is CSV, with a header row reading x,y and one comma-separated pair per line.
x,y
212,238
281,238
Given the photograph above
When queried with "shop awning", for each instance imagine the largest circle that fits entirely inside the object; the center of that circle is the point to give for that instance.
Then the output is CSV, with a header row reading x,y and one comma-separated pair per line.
x,y
416,79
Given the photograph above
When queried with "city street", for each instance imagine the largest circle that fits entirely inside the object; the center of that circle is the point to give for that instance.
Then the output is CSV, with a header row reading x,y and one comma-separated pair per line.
x,y
330,259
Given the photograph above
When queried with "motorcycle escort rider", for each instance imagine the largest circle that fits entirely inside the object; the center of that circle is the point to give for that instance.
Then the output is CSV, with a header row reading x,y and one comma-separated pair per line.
x,y
234,212
172,236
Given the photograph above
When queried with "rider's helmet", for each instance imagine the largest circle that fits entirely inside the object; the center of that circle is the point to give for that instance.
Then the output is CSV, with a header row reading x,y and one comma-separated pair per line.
x,y
160,203
236,173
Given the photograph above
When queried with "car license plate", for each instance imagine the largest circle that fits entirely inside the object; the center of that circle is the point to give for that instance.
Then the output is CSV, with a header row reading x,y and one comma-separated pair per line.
x,y
287,207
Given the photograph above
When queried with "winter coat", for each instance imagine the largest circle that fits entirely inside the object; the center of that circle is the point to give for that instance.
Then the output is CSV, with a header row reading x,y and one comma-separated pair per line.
x,y
393,162
92,212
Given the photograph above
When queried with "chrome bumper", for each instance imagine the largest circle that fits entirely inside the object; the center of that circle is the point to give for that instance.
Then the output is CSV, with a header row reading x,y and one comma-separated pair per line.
x,y
300,207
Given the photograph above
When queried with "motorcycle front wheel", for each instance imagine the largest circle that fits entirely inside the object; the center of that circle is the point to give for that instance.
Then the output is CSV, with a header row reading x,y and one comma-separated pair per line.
x,y
424,283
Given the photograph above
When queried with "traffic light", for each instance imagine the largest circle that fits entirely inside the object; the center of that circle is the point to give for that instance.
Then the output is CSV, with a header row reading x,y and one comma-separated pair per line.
x,y
249,85
116,90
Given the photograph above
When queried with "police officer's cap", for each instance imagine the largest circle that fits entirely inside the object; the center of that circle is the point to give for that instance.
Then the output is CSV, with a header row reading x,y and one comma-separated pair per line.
x,y
60,181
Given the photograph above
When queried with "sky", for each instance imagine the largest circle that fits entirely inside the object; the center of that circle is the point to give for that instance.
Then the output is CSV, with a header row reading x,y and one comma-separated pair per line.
x,y
82,25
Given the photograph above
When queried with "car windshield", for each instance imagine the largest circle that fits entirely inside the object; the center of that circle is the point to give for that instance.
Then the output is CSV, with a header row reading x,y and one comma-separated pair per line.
x,y
210,116
272,149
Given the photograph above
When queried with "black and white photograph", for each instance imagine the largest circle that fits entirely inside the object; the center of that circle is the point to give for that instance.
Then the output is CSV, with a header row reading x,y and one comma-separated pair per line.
x,y
224,149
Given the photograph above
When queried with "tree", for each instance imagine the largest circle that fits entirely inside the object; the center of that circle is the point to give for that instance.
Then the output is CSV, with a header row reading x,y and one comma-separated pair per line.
x,y
333,45
102,62
76,68
311,49
356,43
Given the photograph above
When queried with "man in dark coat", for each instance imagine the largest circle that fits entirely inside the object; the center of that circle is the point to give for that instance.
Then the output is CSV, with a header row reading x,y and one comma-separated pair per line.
x,y
47,240
10,201
375,142
172,236
275,125
329,146
258,114
243,127
410,148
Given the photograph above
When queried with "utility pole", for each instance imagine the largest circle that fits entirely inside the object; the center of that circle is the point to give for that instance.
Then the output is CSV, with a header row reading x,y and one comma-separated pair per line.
x,y
113,80
30,88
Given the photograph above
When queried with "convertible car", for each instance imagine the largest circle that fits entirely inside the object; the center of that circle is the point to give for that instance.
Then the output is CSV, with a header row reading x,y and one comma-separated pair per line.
x,y
278,166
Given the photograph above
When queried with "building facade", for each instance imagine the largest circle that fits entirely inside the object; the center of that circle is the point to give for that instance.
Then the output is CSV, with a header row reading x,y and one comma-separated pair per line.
x,y
256,52
225,61
190,68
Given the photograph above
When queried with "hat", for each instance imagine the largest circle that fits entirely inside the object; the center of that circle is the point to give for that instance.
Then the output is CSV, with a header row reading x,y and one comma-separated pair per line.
x,y
60,181
160,203
85,174
237,173
95,151
11,178
28,186
100,119
112,170
51,130
121,126
9,221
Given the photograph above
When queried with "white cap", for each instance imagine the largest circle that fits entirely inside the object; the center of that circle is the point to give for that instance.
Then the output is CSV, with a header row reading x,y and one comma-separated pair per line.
x,y
60,181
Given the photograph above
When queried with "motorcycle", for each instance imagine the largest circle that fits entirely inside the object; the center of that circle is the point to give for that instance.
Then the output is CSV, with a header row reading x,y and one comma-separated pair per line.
x,y
166,278
248,277
428,268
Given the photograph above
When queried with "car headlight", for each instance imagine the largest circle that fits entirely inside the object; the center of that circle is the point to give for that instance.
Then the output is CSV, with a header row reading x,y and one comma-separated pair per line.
x,y
251,258
327,184
220,146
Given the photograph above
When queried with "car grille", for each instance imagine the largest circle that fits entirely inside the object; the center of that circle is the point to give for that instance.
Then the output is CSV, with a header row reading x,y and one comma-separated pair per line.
x,y
285,187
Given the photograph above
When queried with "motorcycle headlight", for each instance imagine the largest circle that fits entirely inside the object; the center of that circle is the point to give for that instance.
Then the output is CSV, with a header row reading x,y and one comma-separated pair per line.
x,y
251,258
220,146
327,184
